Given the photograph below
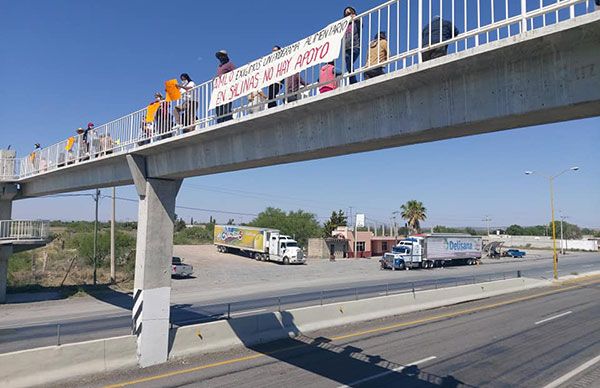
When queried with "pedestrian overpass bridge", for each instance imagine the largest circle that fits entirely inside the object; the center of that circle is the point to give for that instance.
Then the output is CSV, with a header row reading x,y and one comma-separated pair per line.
x,y
524,67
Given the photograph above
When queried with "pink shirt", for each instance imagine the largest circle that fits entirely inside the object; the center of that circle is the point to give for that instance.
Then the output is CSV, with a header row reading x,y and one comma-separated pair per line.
x,y
327,74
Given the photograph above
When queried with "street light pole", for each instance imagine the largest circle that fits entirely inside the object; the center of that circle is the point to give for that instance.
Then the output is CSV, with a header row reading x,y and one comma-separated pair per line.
x,y
551,179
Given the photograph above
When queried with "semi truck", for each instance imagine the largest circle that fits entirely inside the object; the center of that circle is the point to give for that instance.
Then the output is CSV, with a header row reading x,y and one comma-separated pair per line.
x,y
262,244
433,250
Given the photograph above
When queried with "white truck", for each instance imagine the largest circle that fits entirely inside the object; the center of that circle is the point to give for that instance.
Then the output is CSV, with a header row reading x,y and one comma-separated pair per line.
x,y
262,244
433,250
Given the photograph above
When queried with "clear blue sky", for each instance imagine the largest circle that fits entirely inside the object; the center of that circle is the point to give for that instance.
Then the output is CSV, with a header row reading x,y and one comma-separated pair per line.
x,y
64,63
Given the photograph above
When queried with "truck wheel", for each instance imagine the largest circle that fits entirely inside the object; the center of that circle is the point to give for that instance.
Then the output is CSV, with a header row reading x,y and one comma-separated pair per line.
x,y
286,261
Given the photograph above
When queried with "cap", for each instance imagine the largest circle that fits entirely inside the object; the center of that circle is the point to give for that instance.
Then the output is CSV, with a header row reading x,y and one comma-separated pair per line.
x,y
79,130
221,52
90,124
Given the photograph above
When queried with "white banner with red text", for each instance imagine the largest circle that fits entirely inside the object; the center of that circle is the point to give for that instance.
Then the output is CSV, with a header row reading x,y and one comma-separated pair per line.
x,y
321,47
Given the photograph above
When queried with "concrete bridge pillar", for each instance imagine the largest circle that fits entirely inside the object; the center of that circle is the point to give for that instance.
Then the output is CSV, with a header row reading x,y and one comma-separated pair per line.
x,y
152,284
7,193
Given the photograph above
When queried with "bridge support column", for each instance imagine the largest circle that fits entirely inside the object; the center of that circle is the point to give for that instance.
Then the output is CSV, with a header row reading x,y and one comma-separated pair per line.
x,y
7,193
152,284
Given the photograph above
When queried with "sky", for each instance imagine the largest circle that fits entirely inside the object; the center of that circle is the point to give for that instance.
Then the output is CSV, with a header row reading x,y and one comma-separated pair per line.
x,y
64,63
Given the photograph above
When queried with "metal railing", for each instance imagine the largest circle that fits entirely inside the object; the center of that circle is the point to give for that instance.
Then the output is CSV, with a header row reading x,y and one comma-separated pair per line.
x,y
18,230
414,34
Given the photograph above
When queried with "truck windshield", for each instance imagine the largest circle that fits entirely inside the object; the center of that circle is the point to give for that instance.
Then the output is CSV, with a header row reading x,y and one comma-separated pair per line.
x,y
401,250
291,244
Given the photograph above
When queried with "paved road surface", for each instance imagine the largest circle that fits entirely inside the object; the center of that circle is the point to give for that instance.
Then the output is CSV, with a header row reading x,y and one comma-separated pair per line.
x,y
75,326
529,339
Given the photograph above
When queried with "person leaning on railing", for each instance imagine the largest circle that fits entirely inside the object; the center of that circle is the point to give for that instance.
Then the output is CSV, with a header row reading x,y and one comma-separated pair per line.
x,y
352,41
327,77
225,66
163,118
292,87
274,88
189,104
447,30
378,53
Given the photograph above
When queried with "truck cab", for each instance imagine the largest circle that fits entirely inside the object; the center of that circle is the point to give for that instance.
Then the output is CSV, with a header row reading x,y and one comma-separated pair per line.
x,y
285,249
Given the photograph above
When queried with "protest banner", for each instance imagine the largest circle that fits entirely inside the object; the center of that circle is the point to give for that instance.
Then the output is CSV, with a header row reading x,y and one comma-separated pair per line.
x,y
323,46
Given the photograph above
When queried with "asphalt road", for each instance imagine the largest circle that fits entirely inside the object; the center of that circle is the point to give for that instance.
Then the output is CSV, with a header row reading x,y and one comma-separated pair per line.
x,y
530,339
75,328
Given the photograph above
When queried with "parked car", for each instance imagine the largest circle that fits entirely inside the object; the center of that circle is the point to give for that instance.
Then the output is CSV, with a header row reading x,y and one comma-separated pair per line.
x,y
514,253
180,269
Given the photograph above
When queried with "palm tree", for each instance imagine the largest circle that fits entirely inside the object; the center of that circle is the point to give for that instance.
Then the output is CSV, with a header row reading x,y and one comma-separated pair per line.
x,y
414,212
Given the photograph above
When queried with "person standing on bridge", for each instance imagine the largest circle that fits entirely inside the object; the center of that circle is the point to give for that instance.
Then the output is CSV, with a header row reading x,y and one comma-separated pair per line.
x,y
327,77
352,42
164,119
292,87
189,104
431,35
378,53
225,66
274,88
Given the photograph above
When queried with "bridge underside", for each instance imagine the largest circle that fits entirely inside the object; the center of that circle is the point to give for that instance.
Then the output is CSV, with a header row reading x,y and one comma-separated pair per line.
x,y
547,75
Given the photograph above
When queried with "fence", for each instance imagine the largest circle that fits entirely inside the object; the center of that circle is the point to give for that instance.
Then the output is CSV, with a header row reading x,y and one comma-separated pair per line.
x,y
415,31
15,230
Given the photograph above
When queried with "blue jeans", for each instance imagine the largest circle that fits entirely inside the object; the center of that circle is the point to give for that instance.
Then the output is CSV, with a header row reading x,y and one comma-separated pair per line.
x,y
351,57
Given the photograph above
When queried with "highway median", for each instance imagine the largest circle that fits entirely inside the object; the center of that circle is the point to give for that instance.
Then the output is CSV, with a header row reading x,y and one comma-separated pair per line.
x,y
118,353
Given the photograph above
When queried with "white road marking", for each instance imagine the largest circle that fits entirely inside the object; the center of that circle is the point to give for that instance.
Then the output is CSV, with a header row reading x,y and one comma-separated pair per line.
x,y
554,317
574,372
588,265
248,312
378,375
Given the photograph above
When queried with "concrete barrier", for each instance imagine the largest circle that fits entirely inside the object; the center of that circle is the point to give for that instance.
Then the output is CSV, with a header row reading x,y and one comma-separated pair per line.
x,y
55,363
261,328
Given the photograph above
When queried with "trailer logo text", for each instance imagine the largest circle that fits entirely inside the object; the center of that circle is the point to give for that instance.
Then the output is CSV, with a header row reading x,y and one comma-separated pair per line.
x,y
231,235
459,246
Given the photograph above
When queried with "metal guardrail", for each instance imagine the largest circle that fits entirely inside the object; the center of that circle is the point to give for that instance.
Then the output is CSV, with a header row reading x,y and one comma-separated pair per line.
x,y
410,41
19,230
64,332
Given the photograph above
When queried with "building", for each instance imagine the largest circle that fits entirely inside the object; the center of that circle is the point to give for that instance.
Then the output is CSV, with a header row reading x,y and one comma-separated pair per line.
x,y
341,244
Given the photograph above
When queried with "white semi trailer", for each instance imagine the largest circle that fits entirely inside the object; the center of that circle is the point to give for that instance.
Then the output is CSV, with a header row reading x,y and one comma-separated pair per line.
x,y
434,250
258,243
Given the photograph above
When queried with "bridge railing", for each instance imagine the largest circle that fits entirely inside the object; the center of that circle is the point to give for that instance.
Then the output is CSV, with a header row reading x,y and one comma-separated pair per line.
x,y
410,41
20,230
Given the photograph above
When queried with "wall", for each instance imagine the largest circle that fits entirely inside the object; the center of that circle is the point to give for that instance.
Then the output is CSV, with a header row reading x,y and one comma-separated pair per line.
x,y
544,242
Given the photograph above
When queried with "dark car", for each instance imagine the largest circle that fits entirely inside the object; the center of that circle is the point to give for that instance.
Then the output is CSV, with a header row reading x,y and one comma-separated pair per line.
x,y
514,253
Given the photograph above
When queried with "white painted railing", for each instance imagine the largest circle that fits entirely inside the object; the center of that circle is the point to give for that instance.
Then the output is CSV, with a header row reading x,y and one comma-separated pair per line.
x,y
409,41
17,230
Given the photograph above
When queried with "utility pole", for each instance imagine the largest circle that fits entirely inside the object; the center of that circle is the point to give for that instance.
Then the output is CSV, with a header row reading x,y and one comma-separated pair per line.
x,y
563,242
113,277
487,219
394,214
96,198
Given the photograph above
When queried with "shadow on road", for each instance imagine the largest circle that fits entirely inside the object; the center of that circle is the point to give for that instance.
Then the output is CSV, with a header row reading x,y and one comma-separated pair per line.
x,y
344,364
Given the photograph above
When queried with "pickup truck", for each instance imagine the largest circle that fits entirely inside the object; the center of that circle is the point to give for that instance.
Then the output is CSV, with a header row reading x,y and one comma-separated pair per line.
x,y
517,254
180,269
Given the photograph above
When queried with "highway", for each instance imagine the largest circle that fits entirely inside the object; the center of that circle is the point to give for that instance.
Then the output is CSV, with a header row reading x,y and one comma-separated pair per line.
x,y
537,338
76,327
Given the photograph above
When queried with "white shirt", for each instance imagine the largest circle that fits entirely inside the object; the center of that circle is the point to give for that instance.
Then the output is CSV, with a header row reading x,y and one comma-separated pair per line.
x,y
187,85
